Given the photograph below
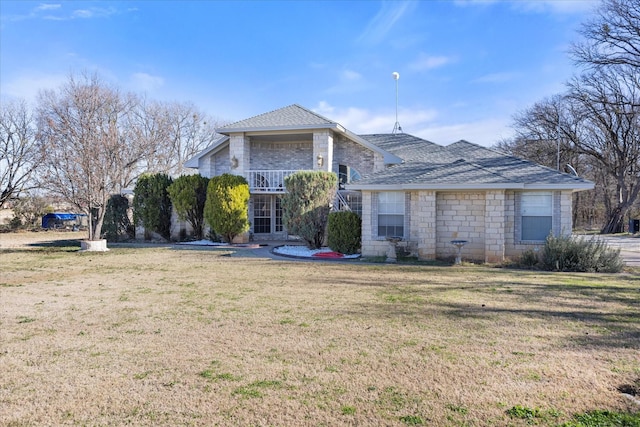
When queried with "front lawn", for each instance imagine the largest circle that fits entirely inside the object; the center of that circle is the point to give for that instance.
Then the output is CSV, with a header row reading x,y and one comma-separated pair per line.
x,y
161,336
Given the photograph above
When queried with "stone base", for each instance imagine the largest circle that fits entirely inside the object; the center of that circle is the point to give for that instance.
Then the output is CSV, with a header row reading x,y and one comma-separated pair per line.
x,y
93,245
241,238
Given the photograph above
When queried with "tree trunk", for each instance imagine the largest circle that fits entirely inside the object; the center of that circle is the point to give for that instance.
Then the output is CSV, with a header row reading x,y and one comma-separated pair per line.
x,y
615,221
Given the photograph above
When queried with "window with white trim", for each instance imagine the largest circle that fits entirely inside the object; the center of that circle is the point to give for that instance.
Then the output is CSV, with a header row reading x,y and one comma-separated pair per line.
x,y
536,210
391,205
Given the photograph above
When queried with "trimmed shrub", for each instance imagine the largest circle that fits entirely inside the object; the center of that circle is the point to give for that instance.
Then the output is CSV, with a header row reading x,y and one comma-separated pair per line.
x,y
152,205
567,253
227,207
188,194
117,225
305,205
344,232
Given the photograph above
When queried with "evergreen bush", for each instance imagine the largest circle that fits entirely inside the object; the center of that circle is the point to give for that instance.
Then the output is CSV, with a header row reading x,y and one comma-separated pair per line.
x,y
306,205
344,232
117,225
227,207
151,204
567,253
188,195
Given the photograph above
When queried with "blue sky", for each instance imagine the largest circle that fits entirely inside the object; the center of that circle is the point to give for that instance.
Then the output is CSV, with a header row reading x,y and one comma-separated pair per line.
x,y
465,66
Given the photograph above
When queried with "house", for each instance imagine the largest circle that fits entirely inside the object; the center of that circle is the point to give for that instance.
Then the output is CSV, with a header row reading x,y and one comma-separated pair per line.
x,y
401,185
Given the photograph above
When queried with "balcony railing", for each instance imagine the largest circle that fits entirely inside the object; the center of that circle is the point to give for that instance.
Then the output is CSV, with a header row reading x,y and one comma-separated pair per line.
x,y
268,181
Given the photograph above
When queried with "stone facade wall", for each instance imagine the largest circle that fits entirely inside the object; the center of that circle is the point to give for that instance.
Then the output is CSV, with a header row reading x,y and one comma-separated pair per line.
x,y
219,163
281,155
371,245
460,216
494,247
354,155
422,231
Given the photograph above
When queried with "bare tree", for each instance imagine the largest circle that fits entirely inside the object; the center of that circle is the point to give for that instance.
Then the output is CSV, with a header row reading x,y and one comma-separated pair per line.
x,y
182,129
92,151
608,103
612,37
20,151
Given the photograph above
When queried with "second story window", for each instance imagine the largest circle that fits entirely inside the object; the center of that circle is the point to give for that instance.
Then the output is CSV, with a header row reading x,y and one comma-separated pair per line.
x,y
347,174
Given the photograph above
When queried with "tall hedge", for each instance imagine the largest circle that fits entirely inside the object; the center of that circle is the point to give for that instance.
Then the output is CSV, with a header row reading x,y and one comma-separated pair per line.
x,y
117,225
227,207
306,204
188,194
152,205
344,232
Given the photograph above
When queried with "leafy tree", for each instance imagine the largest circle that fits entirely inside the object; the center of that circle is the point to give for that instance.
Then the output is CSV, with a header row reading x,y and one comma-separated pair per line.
x,y
306,204
117,224
20,151
188,195
227,207
152,205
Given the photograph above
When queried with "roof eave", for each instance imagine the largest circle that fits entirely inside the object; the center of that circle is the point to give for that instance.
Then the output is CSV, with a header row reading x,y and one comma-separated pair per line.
x,y
462,186
228,131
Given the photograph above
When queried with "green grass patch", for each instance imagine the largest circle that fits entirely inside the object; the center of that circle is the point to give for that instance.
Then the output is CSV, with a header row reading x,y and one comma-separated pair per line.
x,y
605,418
348,410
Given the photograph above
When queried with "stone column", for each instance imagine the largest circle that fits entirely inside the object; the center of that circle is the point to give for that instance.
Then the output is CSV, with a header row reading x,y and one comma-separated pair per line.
x,y
423,219
323,149
239,154
494,223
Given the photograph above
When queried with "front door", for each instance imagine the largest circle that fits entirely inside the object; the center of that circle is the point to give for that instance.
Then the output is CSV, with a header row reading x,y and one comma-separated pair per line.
x,y
267,217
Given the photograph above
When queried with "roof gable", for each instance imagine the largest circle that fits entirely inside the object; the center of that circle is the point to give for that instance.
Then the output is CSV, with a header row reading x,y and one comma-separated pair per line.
x,y
291,117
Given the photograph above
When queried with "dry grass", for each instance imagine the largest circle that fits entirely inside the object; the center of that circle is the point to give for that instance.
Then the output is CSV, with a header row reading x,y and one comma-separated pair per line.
x,y
158,336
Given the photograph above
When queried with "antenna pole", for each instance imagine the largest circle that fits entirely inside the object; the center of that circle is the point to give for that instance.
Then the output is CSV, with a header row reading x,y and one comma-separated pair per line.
x,y
396,127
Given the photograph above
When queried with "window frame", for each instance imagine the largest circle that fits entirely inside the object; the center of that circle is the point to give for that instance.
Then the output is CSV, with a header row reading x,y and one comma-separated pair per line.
x,y
530,212
392,206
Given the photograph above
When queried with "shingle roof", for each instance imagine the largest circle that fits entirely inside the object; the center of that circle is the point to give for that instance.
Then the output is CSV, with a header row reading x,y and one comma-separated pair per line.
x,y
293,116
459,165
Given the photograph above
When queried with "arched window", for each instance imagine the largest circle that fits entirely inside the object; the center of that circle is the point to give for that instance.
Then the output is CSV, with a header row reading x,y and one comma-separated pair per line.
x,y
260,181
347,174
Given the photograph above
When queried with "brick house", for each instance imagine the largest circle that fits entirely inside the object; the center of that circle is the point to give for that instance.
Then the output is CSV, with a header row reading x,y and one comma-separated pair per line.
x,y
401,185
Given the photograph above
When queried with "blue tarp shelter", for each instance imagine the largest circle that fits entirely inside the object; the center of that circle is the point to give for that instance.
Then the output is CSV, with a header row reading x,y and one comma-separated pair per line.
x,y
55,220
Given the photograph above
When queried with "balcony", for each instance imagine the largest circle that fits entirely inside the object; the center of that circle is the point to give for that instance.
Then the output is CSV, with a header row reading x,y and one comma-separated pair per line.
x,y
267,181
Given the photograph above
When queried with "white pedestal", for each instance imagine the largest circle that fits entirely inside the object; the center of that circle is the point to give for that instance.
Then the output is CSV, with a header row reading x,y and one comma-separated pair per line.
x,y
93,245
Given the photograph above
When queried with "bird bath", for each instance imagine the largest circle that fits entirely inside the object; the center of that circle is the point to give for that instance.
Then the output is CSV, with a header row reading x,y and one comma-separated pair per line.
x,y
391,252
459,244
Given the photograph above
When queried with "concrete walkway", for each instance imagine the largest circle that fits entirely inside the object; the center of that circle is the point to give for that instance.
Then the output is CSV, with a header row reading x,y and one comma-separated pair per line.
x,y
629,247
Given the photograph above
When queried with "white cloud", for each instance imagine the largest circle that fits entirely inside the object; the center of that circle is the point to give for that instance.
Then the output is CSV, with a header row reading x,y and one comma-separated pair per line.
x,y
426,62
362,121
48,6
351,75
418,122
27,87
482,132
146,82
380,25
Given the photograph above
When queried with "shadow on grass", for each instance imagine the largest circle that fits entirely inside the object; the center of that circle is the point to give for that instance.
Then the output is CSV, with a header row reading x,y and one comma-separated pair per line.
x,y
60,244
